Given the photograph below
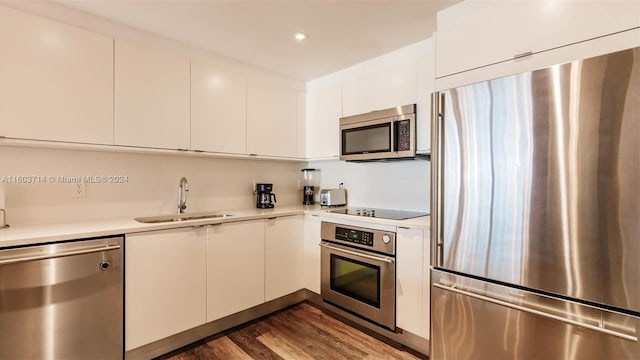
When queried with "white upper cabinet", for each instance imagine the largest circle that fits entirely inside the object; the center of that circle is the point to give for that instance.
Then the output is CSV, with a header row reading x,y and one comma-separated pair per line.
x,y
56,81
218,107
272,117
152,100
384,82
426,74
324,109
402,77
473,34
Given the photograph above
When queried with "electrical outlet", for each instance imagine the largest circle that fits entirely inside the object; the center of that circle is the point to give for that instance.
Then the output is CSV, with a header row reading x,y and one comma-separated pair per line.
x,y
79,189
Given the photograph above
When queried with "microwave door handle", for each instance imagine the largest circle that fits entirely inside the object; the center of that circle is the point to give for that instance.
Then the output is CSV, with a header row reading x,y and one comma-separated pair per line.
x,y
394,134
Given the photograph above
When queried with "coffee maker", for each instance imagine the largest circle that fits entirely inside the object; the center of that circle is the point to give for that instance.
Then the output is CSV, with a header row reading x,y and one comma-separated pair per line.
x,y
264,196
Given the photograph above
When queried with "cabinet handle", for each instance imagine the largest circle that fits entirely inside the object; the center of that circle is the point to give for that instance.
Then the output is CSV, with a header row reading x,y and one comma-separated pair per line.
x,y
198,151
523,55
404,227
355,253
182,149
253,154
59,255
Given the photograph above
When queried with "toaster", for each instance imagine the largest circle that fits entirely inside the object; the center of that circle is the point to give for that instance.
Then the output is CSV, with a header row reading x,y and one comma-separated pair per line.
x,y
333,197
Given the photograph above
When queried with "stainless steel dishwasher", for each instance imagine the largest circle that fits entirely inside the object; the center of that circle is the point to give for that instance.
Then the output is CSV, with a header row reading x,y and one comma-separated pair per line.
x,y
62,300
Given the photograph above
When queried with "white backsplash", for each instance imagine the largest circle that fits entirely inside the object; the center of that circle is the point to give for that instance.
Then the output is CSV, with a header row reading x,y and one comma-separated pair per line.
x,y
392,185
151,189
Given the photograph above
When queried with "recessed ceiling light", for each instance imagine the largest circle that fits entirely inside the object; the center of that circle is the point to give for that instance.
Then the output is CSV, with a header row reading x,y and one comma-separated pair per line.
x,y
300,36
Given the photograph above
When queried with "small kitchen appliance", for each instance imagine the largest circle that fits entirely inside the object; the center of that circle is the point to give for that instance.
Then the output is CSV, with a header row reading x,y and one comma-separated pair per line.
x,y
333,197
379,135
264,197
309,183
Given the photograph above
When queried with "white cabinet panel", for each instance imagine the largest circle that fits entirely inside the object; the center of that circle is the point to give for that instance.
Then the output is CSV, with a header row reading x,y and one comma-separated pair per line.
x,y
165,284
151,98
411,307
380,83
56,81
311,257
283,256
324,109
583,50
426,85
479,33
218,108
235,267
272,118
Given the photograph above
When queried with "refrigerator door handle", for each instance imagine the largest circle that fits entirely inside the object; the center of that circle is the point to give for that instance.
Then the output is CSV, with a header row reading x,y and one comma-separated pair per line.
x,y
437,147
454,289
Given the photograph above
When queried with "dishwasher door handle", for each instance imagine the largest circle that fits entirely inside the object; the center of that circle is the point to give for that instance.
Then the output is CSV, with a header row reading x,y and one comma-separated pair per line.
x,y
366,256
59,255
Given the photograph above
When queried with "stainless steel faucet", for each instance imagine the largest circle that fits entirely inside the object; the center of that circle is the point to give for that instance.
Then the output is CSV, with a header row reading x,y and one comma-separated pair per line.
x,y
183,188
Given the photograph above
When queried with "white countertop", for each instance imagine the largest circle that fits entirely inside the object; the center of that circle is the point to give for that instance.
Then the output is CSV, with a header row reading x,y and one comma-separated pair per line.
x,y
43,233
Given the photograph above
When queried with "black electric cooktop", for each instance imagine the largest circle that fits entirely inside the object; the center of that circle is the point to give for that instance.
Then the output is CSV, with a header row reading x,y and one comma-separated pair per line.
x,y
380,213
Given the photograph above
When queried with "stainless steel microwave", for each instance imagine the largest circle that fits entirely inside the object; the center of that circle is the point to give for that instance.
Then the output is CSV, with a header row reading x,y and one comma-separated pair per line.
x,y
378,135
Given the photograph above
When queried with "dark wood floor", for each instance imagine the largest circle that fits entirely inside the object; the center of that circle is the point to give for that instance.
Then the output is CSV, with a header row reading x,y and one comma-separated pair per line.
x,y
301,332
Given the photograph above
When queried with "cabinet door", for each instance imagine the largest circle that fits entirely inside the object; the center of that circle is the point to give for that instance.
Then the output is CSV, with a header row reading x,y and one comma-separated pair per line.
x,y
380,83
311,250
272,118
586,49
235,267
411,309
467,39
218,108
324,109
165,284
426,85
151,97
284,251
56,81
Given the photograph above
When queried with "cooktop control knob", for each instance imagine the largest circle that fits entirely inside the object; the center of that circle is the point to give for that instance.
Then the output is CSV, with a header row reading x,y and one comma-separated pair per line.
x,y
386,238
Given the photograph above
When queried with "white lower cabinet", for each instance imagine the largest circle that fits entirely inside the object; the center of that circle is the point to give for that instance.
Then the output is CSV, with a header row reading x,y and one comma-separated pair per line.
x,y
165,284
283,256
412,262
235,267
311,265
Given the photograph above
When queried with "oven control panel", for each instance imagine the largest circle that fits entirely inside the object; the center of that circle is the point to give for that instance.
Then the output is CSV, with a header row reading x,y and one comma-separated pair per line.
x,y
380,241
355,236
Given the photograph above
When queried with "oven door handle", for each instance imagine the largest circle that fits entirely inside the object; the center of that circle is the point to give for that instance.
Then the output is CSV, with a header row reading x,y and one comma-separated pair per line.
x,y
350,252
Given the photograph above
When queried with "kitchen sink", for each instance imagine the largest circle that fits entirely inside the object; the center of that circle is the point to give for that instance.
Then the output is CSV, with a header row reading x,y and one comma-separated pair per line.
x,y
183,217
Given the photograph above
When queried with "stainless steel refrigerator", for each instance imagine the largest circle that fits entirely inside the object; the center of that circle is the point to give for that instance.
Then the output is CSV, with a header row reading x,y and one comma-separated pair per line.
x,y
536,214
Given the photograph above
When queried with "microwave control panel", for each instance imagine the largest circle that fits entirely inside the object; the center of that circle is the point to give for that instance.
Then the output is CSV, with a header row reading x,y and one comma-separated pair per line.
x,y
403,134
354,236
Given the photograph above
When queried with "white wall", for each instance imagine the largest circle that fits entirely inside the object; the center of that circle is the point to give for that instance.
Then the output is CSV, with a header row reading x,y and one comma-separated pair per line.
x,y
392,185
214,184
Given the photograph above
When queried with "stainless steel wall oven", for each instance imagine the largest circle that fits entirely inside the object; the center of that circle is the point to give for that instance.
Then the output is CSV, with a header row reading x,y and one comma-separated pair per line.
x,y
358,271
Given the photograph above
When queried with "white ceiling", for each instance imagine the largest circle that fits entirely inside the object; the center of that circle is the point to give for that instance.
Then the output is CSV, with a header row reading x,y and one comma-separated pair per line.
x,y
260,33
